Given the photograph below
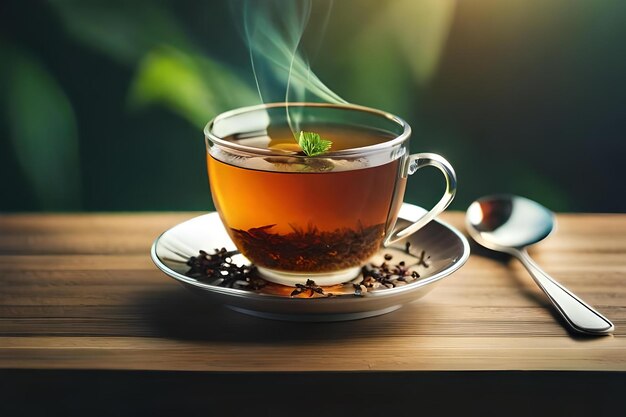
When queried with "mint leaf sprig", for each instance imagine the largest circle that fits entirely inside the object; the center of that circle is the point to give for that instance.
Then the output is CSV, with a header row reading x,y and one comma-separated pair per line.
x,y
312,144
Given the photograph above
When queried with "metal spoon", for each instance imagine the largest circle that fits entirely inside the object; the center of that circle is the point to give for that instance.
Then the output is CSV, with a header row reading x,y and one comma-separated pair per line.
x,y
507,223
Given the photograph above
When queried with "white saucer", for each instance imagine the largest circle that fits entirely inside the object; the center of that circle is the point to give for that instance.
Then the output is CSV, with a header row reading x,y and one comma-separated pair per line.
x,y
447,250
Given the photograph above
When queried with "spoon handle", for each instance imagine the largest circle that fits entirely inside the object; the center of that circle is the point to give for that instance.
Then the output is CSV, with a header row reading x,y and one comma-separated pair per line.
x,y
578,314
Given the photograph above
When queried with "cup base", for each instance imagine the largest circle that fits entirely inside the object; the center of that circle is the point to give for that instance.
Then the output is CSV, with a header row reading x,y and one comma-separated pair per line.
x,y
320,278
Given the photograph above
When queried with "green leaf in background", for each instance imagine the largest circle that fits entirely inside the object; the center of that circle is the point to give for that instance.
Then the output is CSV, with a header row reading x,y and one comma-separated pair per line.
x,y
421,29
170,70
123,30
193,86
389,61
42,131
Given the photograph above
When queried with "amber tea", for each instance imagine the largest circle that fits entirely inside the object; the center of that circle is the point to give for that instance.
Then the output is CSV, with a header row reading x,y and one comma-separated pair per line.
x,y
307,215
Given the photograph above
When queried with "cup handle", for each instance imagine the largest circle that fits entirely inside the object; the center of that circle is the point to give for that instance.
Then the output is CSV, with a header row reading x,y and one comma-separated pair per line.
x,y
415,162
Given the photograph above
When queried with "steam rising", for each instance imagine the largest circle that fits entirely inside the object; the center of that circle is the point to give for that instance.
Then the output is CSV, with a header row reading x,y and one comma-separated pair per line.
x,y
273,31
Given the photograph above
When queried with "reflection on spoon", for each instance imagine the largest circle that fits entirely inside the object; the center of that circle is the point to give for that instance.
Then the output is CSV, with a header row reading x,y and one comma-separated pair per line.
x,y
509,224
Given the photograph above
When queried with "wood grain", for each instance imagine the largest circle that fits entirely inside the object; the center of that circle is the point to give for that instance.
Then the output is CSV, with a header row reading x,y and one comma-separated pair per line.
x,y
78,291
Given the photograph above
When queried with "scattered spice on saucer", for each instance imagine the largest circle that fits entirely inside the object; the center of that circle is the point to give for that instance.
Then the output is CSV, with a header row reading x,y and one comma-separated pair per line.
x,y
389,275
309,286
421,259
219,269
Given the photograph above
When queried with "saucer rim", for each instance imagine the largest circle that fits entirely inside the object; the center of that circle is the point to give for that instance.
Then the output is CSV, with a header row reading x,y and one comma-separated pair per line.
x,y
390,292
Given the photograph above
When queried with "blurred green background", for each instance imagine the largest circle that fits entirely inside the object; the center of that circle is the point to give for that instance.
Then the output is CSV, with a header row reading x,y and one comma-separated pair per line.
x,y
102,103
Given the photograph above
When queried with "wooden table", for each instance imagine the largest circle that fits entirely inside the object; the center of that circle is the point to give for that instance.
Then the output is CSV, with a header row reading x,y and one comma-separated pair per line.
x,y
80,295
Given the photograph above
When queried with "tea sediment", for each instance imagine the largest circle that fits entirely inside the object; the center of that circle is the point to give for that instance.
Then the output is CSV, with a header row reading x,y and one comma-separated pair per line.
x,y
310,250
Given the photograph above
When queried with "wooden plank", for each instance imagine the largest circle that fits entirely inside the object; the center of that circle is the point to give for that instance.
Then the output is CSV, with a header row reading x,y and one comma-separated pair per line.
x,y
80,292
368,354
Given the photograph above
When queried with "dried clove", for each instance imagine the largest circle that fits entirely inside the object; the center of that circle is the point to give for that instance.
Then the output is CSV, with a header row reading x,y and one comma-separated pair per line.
x,y
310,286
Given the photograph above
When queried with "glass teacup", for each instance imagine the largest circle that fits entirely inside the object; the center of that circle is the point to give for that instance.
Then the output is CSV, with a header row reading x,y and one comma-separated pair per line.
x,y
321,218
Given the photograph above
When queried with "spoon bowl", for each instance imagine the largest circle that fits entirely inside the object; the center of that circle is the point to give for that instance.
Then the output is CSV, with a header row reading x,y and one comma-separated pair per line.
x,y
504,221
508,223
